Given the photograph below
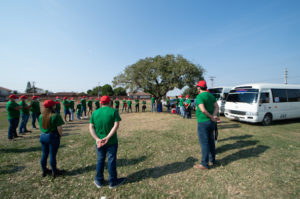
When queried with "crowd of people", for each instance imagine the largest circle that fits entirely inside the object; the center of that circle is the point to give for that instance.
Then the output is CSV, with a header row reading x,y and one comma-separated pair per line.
x,y
104,122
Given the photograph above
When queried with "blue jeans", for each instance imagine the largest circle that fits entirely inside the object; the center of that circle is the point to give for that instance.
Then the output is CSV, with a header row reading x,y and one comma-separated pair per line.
x,y
153,107
78,115
72,114
83,109
182,111
111,152
34,117
207,141
24,120
177,110
50,143
12,129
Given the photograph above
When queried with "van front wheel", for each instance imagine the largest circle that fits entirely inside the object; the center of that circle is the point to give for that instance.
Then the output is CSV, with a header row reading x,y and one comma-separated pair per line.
x,y
267,119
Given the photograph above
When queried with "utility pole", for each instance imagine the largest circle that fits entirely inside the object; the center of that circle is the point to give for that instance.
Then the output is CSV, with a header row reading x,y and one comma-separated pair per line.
x,y
98,89
212,80
285,76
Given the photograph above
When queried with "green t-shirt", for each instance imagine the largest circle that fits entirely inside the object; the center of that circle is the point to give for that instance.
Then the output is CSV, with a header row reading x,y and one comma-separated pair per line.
x,y
208,100
57,106
66,104
56,120
137,101
177,101
117,102
71,102
97,104
24,110
35,107
188,101
83,102
143,102
104,119
168,101
12,113
78,108
124,102
129,102
90,103
181,102
153,100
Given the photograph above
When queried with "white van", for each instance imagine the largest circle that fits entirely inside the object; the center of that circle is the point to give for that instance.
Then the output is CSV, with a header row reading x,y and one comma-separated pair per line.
x,y
263,102
220,94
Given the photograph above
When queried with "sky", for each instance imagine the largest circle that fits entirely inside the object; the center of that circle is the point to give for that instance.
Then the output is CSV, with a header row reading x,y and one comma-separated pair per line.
x,y
74,45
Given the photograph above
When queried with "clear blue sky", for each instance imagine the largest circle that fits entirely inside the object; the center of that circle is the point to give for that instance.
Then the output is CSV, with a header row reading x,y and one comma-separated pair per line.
x,y
71,45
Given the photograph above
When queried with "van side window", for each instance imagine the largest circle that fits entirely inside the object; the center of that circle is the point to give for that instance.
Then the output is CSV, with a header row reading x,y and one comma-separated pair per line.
x,y
264,98
293,95
279,95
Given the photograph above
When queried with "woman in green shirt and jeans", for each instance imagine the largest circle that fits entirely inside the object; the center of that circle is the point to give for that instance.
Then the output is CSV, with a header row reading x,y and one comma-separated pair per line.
x,y
51,130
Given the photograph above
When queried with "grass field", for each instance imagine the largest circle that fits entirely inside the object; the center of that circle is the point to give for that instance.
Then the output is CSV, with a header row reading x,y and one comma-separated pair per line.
x,y
156,154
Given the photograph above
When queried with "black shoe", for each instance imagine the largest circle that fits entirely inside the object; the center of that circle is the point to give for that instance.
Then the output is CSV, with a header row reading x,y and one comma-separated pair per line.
x,y
27,131
46,172
17,136
58,173
117,183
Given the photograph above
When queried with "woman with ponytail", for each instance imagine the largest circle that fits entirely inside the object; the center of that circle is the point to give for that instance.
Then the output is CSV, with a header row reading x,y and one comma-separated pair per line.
x,y
51,130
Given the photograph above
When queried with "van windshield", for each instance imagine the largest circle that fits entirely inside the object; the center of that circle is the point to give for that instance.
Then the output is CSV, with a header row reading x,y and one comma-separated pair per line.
x,y
243,95
216,92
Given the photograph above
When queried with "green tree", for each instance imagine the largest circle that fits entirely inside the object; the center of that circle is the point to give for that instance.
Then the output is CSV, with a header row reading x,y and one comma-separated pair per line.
x,y
160,74
94,91
192,92
120,91
107,90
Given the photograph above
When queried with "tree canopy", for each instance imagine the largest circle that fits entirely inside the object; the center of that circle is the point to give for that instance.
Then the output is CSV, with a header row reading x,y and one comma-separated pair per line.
x,y
160,74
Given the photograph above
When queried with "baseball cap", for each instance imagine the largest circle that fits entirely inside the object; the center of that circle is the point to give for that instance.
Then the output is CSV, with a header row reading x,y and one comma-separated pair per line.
x,y
202,83
105,99
49,103
65,98
13,96
23,97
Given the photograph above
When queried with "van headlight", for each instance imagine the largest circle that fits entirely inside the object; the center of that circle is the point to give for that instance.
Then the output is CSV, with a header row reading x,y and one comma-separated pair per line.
x,y
252,113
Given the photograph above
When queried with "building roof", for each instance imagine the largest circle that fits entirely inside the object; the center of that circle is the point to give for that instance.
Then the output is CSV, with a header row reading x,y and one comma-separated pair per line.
x,y
6,89
138,93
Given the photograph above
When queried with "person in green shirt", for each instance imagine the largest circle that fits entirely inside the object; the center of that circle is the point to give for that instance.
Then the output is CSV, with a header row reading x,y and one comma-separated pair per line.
x,y
181,106
152,103
177,105
24,115
90,106
129,102
168,104
144,105
124,104
117,104
188,108
57,109
51,131
78,110
35,110
103,127
97,103
83,105
66,105
137,104
72,108
13,116
207,110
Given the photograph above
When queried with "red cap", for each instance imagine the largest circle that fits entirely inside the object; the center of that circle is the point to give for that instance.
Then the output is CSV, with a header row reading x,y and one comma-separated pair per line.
x,y
72,98
57,97
65,98
49,103
117,99
187,96
105,99
13,96
23,97
180,96
202,83
35,97
79,101
91,98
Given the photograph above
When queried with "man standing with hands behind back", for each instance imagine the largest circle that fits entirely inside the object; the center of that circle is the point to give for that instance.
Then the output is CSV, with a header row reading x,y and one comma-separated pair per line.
x,y
207,110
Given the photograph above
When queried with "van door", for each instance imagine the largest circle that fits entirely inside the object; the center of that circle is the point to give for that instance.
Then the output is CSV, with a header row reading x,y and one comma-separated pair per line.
x,y
265,105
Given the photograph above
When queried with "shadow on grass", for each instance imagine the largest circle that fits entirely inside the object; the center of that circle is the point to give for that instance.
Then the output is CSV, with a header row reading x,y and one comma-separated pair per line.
x,y
243,154
160,171
120,163
236,145
11,169
30,149
236,138
228,126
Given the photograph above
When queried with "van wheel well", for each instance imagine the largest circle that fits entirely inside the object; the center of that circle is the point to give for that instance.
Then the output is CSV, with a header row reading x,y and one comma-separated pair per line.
x,y
267,119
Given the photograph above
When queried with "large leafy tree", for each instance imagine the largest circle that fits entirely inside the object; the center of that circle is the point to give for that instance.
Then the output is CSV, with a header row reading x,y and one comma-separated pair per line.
x,y
192,92
120,91
160,74
107,90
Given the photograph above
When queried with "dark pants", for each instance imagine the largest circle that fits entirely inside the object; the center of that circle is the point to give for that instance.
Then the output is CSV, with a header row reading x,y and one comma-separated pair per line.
x,y
189,113
143,108
124,107
34,117
111,152
12,129
129,107
207,141
83,109
24,120
50,143
137,108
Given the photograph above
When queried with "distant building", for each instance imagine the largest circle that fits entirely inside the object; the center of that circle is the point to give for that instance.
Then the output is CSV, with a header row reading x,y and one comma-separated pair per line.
x,y
141,95
4,93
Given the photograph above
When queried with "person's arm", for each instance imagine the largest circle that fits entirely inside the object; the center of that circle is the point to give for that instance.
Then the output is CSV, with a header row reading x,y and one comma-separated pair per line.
x,y
60,130
216,110
111,133
93,133
205,112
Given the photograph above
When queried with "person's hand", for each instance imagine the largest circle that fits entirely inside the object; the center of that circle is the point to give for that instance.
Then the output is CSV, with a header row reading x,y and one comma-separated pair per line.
x,y
102,142
214,118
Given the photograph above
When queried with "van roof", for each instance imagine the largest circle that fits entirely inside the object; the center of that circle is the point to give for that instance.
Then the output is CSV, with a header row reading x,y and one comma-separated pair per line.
x,y
270,85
